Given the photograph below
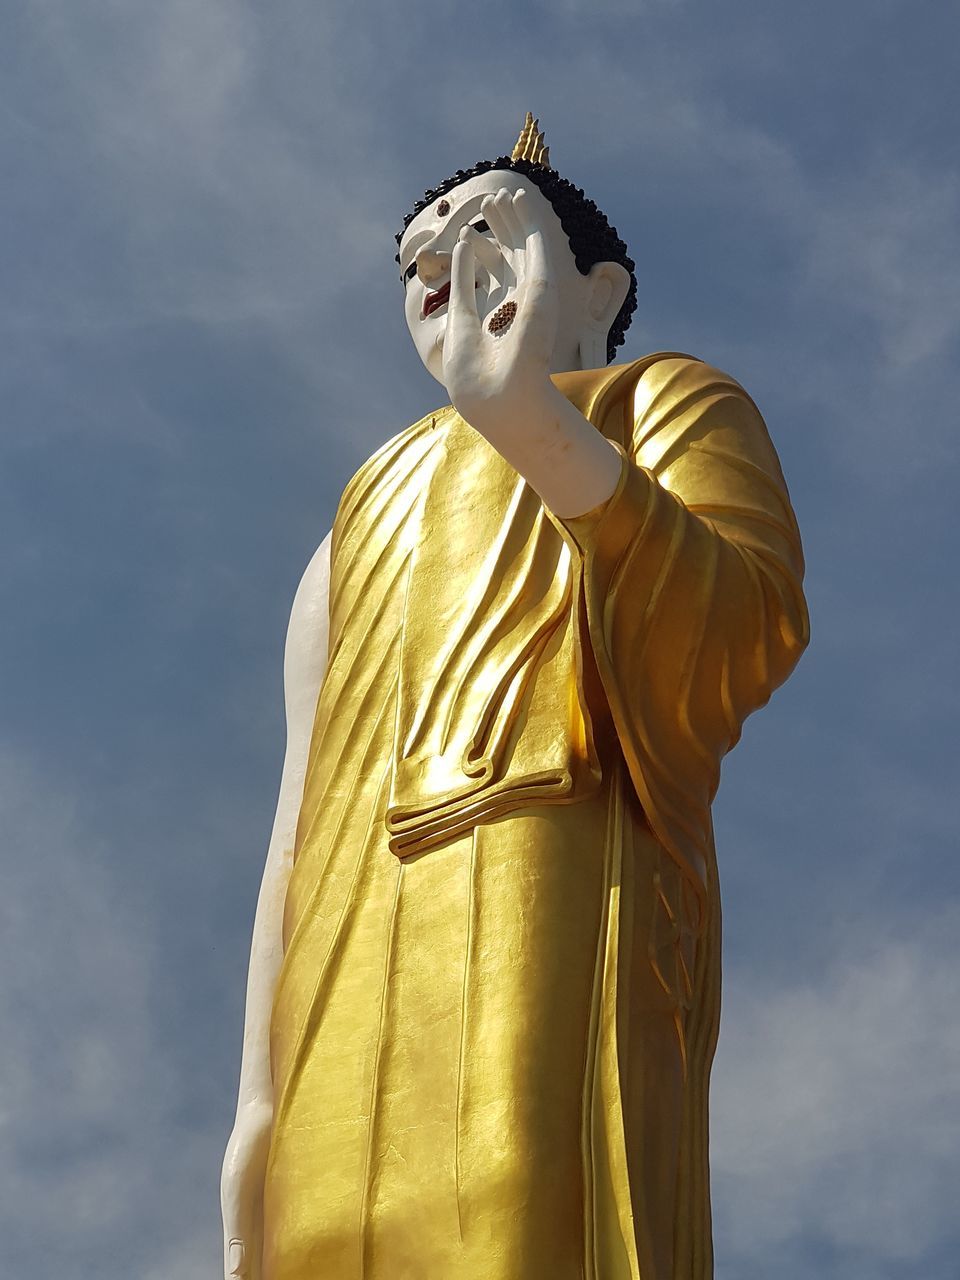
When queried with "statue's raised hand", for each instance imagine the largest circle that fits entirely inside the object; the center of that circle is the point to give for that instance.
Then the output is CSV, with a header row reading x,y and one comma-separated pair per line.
x,y
496,358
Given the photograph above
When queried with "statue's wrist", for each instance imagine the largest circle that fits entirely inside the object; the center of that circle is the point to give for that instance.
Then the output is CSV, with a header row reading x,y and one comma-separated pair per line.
x,y
255,1099
507,410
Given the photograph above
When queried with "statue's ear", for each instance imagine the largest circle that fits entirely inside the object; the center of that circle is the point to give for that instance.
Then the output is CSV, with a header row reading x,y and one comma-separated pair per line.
x,y
608,285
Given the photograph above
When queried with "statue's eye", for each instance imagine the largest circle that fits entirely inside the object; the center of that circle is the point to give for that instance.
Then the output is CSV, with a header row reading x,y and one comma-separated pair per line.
x,y
479,226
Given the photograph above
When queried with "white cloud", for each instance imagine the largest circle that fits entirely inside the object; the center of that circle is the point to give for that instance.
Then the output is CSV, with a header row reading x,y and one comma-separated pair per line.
x,y
221,206
836,1109
887,246
92,1155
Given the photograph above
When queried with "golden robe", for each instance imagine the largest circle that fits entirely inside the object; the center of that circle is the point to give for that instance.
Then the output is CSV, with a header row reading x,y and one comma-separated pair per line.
x,y
498,1008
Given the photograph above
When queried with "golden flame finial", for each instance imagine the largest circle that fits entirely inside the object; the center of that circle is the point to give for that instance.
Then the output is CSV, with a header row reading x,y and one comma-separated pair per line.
x,y
530,144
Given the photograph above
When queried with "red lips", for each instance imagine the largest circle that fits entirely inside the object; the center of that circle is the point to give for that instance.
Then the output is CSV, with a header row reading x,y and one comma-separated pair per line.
x,y
434,300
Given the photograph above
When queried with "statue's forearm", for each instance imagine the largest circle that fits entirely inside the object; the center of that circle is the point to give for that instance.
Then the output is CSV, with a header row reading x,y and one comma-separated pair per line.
x,y
245,1158
304,664
266,957
556,450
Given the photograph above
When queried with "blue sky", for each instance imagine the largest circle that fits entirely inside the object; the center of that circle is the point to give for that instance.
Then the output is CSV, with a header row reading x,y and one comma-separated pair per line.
x,y
202,338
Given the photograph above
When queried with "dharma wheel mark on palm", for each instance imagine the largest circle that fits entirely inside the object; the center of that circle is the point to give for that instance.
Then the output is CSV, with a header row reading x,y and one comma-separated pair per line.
x,y
502,318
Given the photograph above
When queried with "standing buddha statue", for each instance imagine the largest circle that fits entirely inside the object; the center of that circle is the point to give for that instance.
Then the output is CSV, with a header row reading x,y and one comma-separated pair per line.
x,y
484,986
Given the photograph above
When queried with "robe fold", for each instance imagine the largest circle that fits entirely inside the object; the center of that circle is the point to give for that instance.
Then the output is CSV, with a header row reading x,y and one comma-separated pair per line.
x,y
493,1030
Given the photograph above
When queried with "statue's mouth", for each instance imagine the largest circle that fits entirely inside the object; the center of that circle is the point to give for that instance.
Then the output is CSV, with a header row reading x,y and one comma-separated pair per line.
x,y
433,301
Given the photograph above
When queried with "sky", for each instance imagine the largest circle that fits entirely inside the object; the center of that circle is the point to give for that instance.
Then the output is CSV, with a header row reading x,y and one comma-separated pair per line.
x,y
201,339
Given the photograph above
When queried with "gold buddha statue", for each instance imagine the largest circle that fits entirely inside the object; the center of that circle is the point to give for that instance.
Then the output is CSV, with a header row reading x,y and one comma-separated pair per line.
x,y
484,988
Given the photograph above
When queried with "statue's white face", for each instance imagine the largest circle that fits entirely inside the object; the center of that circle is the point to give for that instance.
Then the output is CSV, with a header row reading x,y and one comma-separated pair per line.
x,y
425,256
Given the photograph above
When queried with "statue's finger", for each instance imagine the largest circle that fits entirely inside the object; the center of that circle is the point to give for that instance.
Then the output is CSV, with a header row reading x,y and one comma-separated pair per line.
x,y
536,261
487,251
524,212
493,217
504,204
463,284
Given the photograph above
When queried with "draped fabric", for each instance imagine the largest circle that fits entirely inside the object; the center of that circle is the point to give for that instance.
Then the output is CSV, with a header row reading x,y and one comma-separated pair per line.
x,y
487,717
498,1008
701,537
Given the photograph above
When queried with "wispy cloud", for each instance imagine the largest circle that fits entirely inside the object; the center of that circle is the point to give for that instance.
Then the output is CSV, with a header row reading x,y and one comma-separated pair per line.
x,y
93,1151
887,246
836,1112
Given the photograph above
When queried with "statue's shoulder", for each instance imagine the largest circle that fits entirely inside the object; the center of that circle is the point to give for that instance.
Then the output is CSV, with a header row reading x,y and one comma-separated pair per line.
x,y
692,420
658,386
674,377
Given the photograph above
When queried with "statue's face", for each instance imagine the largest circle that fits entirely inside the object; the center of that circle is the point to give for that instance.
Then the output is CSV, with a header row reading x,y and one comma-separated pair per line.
x,y
425,255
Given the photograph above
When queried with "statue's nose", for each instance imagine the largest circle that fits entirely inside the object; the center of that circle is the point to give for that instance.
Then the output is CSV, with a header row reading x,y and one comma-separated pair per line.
x,y
432,264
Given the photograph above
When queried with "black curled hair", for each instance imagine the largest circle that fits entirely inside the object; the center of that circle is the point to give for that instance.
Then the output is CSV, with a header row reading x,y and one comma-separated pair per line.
x,y
592,238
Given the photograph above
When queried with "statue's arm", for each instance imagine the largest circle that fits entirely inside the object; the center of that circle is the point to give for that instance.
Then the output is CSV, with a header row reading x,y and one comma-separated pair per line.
x,y
559,453
305,660
691,579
